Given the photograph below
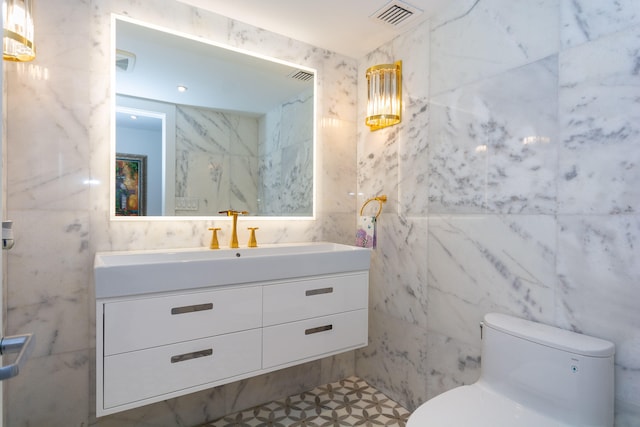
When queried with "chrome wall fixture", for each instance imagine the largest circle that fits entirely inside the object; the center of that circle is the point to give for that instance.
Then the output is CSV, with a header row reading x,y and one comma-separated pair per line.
x,y
384,95
18,31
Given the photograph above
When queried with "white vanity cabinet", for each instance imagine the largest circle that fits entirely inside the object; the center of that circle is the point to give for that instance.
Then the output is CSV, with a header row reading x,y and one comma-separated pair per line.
x,y
155,346
152,321
305,319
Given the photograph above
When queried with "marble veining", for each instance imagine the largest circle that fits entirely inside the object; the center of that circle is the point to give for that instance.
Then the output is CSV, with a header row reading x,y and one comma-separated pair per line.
x,y
286,158
509,39
599,114
587,20
547,230
598,300
521,181
494,144
263,165
58,194
217,154
471,274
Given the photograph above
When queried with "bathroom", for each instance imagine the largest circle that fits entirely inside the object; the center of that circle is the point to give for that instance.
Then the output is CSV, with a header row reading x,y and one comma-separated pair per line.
x,y
511,184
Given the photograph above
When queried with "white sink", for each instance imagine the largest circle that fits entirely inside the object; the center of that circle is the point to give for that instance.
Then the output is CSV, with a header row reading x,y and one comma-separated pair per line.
x,y
141,272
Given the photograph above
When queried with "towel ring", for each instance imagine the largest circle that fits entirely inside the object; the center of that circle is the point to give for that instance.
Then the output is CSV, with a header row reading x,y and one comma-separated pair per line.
x,y
380,199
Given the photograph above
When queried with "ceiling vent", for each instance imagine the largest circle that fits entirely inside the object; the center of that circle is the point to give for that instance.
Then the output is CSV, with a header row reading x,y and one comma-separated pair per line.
x,y
396,14
303,76
125,60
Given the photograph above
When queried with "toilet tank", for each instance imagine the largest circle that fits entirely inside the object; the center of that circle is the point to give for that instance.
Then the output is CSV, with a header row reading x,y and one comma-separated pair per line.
x,y
565,375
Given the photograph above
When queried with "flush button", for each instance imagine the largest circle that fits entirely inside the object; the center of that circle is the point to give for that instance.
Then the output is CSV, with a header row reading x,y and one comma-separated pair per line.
x,y
575,365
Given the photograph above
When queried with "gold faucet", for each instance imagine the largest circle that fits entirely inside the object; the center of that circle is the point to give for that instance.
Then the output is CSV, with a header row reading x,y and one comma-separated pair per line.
x,y
234,230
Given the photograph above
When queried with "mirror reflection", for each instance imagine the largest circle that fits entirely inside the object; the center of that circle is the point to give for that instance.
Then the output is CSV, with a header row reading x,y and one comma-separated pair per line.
x,y
201,128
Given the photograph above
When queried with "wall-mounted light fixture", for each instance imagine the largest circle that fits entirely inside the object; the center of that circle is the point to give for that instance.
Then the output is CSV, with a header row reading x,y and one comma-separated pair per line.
x,y
18,36
384,95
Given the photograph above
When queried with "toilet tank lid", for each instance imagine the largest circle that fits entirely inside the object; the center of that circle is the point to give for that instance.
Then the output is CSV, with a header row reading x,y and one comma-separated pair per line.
x,y
550,336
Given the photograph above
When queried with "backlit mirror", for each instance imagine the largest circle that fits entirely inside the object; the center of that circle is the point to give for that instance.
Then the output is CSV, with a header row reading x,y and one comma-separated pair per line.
x,y
202,128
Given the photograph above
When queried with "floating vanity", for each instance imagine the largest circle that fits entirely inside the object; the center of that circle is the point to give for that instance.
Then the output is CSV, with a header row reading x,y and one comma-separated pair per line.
x,y
169,323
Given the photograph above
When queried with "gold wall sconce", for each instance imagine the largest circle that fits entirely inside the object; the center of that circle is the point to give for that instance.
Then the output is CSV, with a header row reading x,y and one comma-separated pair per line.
x,y
18,35
384,95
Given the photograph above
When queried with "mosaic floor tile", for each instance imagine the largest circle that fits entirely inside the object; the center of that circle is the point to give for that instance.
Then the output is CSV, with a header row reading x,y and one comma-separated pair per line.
x,y
348,402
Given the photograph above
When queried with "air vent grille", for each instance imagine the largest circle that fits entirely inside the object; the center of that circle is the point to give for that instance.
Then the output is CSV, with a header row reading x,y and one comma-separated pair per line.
x,y
302,75
125,60
396,14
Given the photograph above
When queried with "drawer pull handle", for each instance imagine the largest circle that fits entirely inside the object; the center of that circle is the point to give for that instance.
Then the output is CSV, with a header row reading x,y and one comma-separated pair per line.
x,y
320,291
191,308
318,329
190,356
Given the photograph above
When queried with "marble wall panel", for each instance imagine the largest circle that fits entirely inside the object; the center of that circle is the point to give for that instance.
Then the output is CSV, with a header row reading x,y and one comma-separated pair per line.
x,y
452,363
398,275
297,180
285,178
586,20
217,160
297,119
413,145
395,359
599,278
599,115
482,264
476,39
336,184
494,144
51,391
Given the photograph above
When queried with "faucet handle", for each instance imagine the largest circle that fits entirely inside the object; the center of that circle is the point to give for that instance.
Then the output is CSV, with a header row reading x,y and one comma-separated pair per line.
x,y
214,238
231,212
253,243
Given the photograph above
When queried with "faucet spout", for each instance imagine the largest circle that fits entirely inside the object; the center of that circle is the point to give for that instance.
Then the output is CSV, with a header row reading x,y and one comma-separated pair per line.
x,y
234,230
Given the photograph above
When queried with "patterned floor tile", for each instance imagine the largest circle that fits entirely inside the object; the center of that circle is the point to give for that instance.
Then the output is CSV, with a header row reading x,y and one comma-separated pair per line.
x,y
348,402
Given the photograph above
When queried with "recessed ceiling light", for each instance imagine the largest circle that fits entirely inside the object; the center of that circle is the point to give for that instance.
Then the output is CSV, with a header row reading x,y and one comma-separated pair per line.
x,y
182,88
134,117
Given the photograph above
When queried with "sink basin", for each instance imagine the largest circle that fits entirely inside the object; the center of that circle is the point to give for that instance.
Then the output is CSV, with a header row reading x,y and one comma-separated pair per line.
x,y
141,272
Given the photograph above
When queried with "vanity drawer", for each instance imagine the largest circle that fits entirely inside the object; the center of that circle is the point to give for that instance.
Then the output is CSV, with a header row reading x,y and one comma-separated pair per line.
x,y
149,322
314,338
145,374
304,299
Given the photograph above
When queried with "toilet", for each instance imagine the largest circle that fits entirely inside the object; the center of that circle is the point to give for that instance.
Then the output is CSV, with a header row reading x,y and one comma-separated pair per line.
x,y
532,375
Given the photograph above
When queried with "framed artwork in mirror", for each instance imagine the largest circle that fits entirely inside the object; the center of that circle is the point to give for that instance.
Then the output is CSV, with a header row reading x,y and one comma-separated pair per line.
x,y
131,184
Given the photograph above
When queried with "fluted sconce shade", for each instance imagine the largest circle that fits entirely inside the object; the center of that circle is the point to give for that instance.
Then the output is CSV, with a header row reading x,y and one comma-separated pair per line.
x,y
384,95
18,35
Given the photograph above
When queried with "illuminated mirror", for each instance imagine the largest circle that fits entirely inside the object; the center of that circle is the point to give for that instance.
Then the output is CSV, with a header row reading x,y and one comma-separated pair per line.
x,y
212,128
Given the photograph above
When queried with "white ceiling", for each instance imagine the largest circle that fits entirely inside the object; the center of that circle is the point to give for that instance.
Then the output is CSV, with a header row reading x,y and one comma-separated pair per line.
x,y
343,26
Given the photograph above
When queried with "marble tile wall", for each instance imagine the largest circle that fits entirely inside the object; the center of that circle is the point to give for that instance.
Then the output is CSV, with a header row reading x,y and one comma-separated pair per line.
x,y
263,165
511,184
58,135
216,160
286,158
512,187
